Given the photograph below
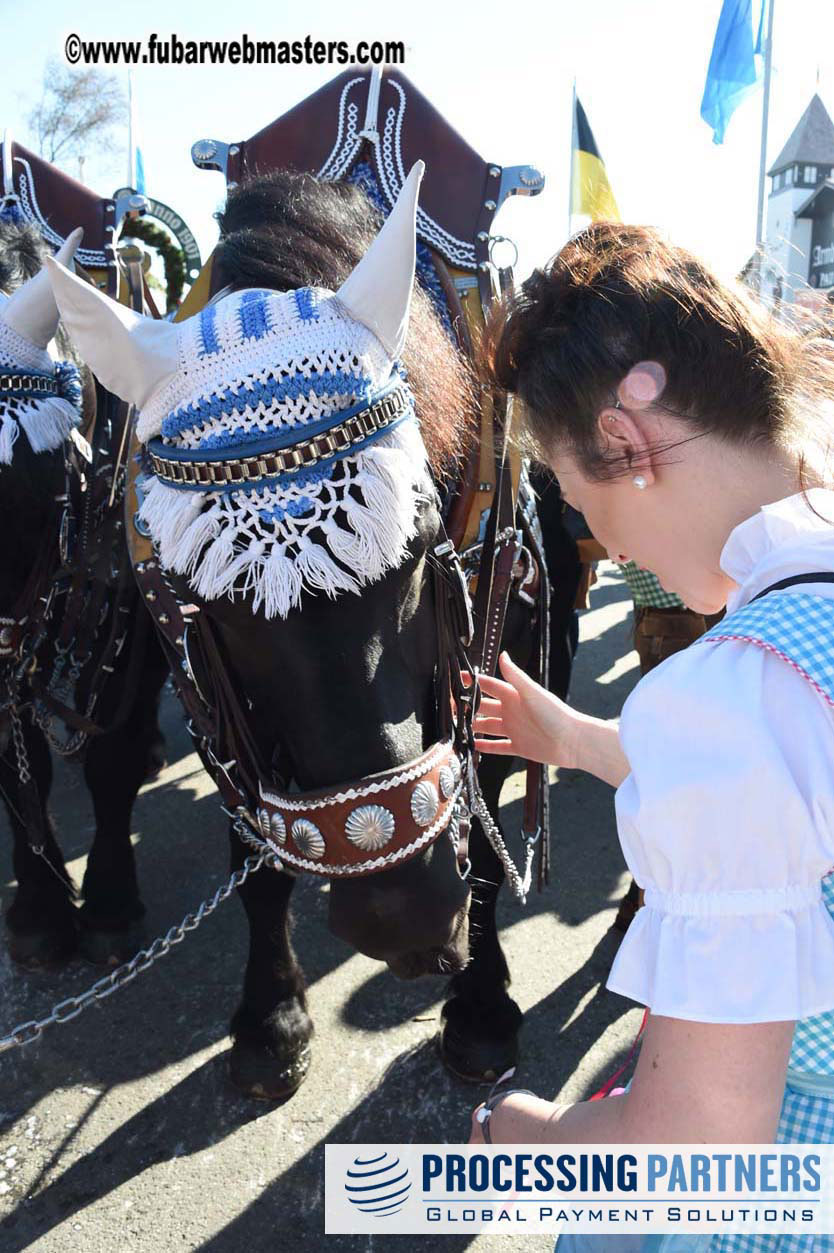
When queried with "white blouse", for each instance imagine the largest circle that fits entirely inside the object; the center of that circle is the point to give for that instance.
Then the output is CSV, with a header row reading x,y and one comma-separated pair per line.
x,y
727,816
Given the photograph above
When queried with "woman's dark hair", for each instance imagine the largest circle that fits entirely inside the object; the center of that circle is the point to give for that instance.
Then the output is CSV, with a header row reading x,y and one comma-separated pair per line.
x,y
285,230
616,295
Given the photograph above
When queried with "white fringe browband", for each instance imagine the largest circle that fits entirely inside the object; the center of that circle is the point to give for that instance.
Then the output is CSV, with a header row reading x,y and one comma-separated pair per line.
x,y
46,424
46,420
334,531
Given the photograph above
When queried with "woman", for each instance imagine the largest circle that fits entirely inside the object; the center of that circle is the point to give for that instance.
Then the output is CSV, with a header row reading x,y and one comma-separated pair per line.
x,y
691,431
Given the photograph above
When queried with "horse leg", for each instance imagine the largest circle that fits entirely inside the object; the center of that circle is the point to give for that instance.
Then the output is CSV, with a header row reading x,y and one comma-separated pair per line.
x,y
42,920
116,766
271,1029
481,1021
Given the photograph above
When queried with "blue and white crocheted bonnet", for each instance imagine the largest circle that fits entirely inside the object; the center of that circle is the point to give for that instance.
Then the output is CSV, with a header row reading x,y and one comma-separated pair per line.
x,y
259,363
38,395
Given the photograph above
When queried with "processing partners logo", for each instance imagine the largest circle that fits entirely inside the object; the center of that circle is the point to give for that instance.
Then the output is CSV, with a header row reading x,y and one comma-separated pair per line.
x,y
606,1189
378,1184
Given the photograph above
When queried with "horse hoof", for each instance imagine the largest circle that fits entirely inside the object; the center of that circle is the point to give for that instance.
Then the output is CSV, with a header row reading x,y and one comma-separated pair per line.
x,y
101,946
256,1072
48,949
476,1061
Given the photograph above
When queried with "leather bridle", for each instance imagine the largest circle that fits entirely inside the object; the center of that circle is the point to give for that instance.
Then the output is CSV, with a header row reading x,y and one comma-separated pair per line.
x,y
62,643
358,827
509,562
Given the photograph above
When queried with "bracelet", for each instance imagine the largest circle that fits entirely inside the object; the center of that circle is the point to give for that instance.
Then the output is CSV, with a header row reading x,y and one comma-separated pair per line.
x,y
491,1104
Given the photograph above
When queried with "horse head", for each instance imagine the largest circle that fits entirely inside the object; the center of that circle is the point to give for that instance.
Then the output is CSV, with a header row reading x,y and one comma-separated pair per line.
x,y
310,563
40,404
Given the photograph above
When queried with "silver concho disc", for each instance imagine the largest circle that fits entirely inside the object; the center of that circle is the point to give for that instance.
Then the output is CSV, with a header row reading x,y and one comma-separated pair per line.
x,y
454,766
370,827
278,828
424,803
263,823
309,840
446,778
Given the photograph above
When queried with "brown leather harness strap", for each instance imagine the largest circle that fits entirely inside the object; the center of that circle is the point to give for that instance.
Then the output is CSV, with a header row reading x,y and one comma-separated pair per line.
x,y
498,558
368,826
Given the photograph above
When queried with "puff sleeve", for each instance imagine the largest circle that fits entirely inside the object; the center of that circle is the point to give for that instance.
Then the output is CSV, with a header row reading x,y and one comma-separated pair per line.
x,y
727,821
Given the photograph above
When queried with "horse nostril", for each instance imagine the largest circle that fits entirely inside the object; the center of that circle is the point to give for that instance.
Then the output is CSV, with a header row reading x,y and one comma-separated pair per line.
x,y
448,958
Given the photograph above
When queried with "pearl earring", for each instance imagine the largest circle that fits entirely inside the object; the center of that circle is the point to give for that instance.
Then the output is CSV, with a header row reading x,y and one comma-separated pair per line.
x,y
639,480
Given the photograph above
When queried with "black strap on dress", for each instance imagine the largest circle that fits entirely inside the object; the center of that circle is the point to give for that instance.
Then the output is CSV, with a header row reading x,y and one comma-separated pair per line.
x,y
821,576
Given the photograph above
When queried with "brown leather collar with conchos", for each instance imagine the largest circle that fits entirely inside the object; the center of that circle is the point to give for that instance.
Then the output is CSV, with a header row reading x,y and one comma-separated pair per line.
x,y
368,826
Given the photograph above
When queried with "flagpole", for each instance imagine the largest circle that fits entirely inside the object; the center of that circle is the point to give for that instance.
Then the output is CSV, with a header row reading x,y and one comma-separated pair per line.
x,y
130,161
768,64
572,148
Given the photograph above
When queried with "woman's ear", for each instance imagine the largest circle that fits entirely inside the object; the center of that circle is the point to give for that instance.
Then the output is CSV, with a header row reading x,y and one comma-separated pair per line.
x,y
628,436
628,428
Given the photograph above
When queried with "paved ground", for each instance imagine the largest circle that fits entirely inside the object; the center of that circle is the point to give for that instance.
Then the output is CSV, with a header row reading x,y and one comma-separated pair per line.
x,y
118,1131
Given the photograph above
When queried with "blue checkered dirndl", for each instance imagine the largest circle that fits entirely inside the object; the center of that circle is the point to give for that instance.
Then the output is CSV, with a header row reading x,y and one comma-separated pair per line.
x,y
799,628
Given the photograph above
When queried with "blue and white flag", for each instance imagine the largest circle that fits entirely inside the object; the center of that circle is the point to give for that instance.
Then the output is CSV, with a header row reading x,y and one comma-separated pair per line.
x,y
140,171
733,69
135,161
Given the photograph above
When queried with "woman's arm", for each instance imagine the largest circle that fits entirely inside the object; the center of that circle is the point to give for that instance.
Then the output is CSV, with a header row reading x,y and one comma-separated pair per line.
x,y
598,750
695,1083
534,724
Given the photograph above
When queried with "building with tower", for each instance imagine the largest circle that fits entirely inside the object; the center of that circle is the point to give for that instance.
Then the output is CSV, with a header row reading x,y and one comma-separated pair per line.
x,y
798,265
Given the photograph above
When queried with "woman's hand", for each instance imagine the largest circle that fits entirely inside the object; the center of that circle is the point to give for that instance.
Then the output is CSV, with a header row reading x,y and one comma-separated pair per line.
x,y
536,725
520,1118
532,722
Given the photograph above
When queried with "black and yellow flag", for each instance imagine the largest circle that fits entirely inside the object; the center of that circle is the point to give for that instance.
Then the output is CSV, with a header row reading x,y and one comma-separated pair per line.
x,y
591,193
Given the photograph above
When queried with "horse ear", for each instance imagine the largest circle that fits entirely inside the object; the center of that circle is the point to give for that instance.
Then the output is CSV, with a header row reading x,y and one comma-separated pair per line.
x,y
31,310
378,291
132,355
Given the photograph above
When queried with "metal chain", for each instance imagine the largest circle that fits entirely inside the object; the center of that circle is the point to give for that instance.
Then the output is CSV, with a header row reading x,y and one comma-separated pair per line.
x,y
68,1009
21,756
62,689
24,775
519,883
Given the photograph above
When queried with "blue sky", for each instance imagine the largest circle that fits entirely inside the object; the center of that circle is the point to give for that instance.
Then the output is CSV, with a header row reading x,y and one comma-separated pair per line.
x,y
501,73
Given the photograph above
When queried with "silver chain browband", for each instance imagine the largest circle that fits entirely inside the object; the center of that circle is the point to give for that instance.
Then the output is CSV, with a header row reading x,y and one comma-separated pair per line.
x,y
28,383
224,472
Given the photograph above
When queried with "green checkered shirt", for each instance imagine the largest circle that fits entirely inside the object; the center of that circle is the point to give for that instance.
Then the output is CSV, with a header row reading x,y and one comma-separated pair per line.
x,y
646,590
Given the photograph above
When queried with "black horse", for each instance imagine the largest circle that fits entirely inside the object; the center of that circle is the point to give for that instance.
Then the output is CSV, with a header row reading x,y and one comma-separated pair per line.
x,y
346,689
45,925
354,681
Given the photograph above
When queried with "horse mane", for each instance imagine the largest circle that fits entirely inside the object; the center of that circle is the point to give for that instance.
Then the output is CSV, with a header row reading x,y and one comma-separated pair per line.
x,y
285,230
23,252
